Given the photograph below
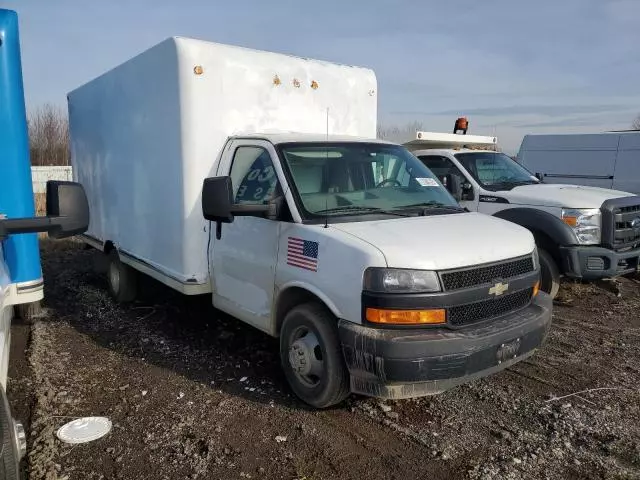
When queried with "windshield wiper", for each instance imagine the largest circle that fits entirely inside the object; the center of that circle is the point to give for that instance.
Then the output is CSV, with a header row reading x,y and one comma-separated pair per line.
x,y
359,208
512,183
428,205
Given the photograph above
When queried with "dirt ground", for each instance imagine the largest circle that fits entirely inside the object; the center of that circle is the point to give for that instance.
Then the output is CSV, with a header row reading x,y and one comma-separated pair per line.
x,y
195,394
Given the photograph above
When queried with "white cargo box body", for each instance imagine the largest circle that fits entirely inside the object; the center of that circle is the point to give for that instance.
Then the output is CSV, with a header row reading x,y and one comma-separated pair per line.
x,y
146,134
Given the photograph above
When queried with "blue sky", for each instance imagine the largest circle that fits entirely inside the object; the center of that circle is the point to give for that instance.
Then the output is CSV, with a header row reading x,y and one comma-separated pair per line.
x,y
513,67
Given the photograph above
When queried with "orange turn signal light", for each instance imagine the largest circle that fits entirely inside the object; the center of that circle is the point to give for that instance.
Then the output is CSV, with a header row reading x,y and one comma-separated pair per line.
x,y
406,317
536,288
571,221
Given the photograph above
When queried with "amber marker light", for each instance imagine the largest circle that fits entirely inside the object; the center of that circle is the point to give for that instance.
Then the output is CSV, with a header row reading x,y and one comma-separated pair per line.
x,y
406,317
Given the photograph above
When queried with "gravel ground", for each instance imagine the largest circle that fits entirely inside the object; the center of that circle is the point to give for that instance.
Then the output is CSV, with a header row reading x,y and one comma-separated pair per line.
x,y
193,393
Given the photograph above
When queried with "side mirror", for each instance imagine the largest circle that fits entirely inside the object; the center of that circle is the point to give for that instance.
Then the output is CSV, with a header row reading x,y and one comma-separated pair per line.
x,y
217,199
67,213
68,209
467,191
539,176
218,206
454,185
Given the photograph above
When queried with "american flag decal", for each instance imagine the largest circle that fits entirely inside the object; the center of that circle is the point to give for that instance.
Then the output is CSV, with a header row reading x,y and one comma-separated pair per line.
x,y
302,254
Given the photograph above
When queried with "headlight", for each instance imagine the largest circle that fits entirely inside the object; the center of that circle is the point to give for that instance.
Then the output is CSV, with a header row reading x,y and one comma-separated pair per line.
x,y
536,259
394,280
584,222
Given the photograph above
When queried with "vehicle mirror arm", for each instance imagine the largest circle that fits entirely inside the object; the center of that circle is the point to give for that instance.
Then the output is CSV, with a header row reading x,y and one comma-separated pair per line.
x,y
31,225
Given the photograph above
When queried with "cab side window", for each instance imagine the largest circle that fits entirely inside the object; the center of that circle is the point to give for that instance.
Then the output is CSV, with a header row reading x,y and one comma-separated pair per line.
x,y
252,174
441,166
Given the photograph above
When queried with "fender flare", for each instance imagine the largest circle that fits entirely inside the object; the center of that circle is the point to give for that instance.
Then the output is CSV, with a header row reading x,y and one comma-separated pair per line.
x,y
309,289
538,220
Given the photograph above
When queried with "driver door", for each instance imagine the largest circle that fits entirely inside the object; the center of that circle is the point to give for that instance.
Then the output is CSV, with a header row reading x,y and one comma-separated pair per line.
x,y
243,261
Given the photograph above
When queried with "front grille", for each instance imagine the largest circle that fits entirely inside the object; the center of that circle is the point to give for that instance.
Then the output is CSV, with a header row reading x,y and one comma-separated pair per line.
x,y
457,279
475,312
624,233
618,217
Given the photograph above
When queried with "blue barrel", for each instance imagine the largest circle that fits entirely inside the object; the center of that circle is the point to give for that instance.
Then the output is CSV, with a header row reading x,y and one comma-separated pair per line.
x,y
16,189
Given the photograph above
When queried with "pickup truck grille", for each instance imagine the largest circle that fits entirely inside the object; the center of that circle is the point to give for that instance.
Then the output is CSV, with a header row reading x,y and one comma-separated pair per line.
x,y
619,216
461,315
457,279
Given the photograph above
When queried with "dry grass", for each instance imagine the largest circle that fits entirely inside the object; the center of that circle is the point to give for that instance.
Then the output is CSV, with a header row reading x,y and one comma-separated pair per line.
x,y
41,208
41,204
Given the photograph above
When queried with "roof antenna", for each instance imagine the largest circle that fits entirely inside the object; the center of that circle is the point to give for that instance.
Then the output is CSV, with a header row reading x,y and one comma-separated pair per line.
x,y
326,198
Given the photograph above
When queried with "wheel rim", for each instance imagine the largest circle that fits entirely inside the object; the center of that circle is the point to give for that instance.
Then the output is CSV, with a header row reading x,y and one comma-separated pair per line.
x,y
20,439
114,277
305,357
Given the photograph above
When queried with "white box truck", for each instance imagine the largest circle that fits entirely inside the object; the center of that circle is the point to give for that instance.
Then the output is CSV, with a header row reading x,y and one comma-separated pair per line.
x,y
346,248
606,160
581,231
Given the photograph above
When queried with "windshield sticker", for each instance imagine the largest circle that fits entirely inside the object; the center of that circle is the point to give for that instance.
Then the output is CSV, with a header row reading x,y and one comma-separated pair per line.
x,y
427,182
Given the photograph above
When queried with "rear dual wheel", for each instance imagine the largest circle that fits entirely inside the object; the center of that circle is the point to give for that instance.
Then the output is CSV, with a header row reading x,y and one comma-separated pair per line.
x,y
122,279
28,312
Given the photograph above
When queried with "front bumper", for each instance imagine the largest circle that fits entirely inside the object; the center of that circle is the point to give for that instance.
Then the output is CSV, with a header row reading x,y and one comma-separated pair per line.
x,y
404,363
594,262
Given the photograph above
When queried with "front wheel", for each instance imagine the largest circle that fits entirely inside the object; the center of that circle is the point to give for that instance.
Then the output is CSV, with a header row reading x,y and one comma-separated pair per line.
x,y
549,274
13,439
311,356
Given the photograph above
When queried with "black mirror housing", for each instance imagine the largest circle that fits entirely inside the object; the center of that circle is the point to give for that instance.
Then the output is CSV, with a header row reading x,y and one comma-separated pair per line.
x,y
454,185
67,213
68,209
217,199
467,191
218,206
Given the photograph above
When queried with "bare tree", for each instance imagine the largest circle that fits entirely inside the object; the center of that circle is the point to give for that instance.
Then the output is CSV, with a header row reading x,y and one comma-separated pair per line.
x,y
636,123
48,136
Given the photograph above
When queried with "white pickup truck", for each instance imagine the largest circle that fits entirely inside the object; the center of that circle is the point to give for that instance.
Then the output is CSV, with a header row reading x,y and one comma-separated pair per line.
x,y
581,231
346,248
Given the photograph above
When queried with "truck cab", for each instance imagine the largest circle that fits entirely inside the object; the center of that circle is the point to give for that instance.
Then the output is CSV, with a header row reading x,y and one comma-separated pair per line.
x,y
353,253
581,231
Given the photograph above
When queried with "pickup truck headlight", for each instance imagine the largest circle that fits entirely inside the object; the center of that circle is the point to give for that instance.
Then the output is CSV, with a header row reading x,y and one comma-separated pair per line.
x,y
536,259
586,223
395,280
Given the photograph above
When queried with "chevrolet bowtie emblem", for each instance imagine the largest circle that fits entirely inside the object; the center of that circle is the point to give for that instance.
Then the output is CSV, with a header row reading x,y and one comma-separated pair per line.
x,y
498,289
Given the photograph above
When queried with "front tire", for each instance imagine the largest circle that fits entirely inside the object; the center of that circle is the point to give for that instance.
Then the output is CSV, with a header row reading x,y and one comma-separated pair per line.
x,y
13,442
121,278
549,274
311,356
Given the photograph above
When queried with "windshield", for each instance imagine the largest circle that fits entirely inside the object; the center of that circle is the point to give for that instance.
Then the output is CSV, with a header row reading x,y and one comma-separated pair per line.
x,y
495,170
354,178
